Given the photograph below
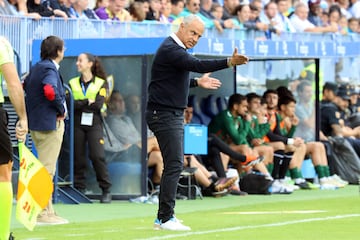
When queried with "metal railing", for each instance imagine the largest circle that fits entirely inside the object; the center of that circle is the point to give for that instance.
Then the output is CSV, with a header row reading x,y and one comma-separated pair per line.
x,y
21,31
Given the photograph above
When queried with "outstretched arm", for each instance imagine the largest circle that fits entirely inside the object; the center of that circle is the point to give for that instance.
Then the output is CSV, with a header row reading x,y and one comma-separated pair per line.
x,y
205,81
237,59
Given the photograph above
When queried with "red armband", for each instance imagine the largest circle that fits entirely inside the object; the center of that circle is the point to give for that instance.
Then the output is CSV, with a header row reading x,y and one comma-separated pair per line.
x,y
49,92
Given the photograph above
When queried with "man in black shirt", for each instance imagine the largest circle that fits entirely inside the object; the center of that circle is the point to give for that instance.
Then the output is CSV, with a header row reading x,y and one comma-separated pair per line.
x,y
168,94
332,122
330,115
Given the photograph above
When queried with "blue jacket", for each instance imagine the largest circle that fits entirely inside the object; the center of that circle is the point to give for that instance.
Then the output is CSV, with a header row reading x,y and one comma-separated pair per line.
x,y
42,112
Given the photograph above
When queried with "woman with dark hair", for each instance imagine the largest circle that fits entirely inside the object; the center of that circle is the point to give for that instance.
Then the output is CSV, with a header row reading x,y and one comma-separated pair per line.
x,y
89,92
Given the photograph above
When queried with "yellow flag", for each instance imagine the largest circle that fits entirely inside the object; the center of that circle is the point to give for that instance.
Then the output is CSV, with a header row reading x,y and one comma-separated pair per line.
x,y
34,188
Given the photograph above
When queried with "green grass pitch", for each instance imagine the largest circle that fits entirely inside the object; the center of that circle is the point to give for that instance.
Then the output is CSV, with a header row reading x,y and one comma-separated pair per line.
x,y
303,215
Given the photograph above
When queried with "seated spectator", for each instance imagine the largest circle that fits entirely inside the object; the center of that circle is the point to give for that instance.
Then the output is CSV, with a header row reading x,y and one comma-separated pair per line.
x,y
17,7
21,9
217,11
37,7
254,19
355,8
344,6
353,25
268,16
62,5
315,12
229,7
242,12
334,18
302,24
154,10
165,11
205,10
101,4
136,10
193,7
114,11
79,9
281,18
133,110
7,9
127,137
305,111
177,6
343,25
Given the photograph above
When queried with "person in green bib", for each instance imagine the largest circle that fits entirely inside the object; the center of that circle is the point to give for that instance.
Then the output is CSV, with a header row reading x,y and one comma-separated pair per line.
x,y
89,91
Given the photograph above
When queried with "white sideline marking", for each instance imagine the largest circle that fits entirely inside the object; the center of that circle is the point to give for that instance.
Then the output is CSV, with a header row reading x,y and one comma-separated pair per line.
x,y
190,233
275,212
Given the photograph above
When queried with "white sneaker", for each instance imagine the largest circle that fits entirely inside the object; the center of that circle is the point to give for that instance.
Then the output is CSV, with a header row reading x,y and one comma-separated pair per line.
x,y
289,184
278,188
331,181
339,180
174,225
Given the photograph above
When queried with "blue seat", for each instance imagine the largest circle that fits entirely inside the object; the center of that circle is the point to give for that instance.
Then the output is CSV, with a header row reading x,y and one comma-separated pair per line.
x,y
221,103
210,106
198,115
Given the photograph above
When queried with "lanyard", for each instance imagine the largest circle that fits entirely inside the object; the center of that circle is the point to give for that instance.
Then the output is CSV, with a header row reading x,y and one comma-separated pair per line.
x,y
83,88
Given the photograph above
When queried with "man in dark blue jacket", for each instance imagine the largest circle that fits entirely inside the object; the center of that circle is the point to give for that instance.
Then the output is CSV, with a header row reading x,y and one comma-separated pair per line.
x,y
168,94
46,109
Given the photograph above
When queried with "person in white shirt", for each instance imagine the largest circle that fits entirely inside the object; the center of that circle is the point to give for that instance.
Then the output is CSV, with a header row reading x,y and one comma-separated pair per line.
x,y
281,18
302,24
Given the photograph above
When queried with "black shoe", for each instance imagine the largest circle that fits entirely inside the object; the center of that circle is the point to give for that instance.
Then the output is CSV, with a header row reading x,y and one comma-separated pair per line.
x,y
303,185
105,197
11,237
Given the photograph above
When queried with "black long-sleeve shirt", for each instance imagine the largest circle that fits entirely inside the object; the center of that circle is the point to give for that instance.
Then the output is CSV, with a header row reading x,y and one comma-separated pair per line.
x,y
170,82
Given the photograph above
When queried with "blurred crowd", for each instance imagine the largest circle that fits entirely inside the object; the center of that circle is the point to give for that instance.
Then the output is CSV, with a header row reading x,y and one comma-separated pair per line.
x,y
276,16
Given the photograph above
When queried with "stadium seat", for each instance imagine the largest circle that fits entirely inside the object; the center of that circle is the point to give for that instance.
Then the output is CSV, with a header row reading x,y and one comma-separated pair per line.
x,y
221,103
210,106
198,115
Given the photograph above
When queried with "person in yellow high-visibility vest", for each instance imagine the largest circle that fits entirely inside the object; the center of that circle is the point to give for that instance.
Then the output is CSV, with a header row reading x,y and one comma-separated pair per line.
x,y
9,74
89,92
309,72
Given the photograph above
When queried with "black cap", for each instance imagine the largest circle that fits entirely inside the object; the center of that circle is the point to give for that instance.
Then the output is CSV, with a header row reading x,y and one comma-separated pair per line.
x,y
344,91
331,86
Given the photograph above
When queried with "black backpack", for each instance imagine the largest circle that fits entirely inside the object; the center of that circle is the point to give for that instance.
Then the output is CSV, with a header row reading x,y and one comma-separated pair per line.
x,y
255,183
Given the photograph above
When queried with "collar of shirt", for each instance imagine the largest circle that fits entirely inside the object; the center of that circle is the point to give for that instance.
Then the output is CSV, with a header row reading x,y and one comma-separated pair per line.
x,y
177,40
56,64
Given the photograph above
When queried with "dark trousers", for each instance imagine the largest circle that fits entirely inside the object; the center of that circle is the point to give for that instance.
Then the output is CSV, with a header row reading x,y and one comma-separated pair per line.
x,y
5,143
168,127
215,147
355,143
91,136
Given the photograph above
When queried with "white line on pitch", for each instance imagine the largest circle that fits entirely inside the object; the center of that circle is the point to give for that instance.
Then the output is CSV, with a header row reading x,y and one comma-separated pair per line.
x,y
186,234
